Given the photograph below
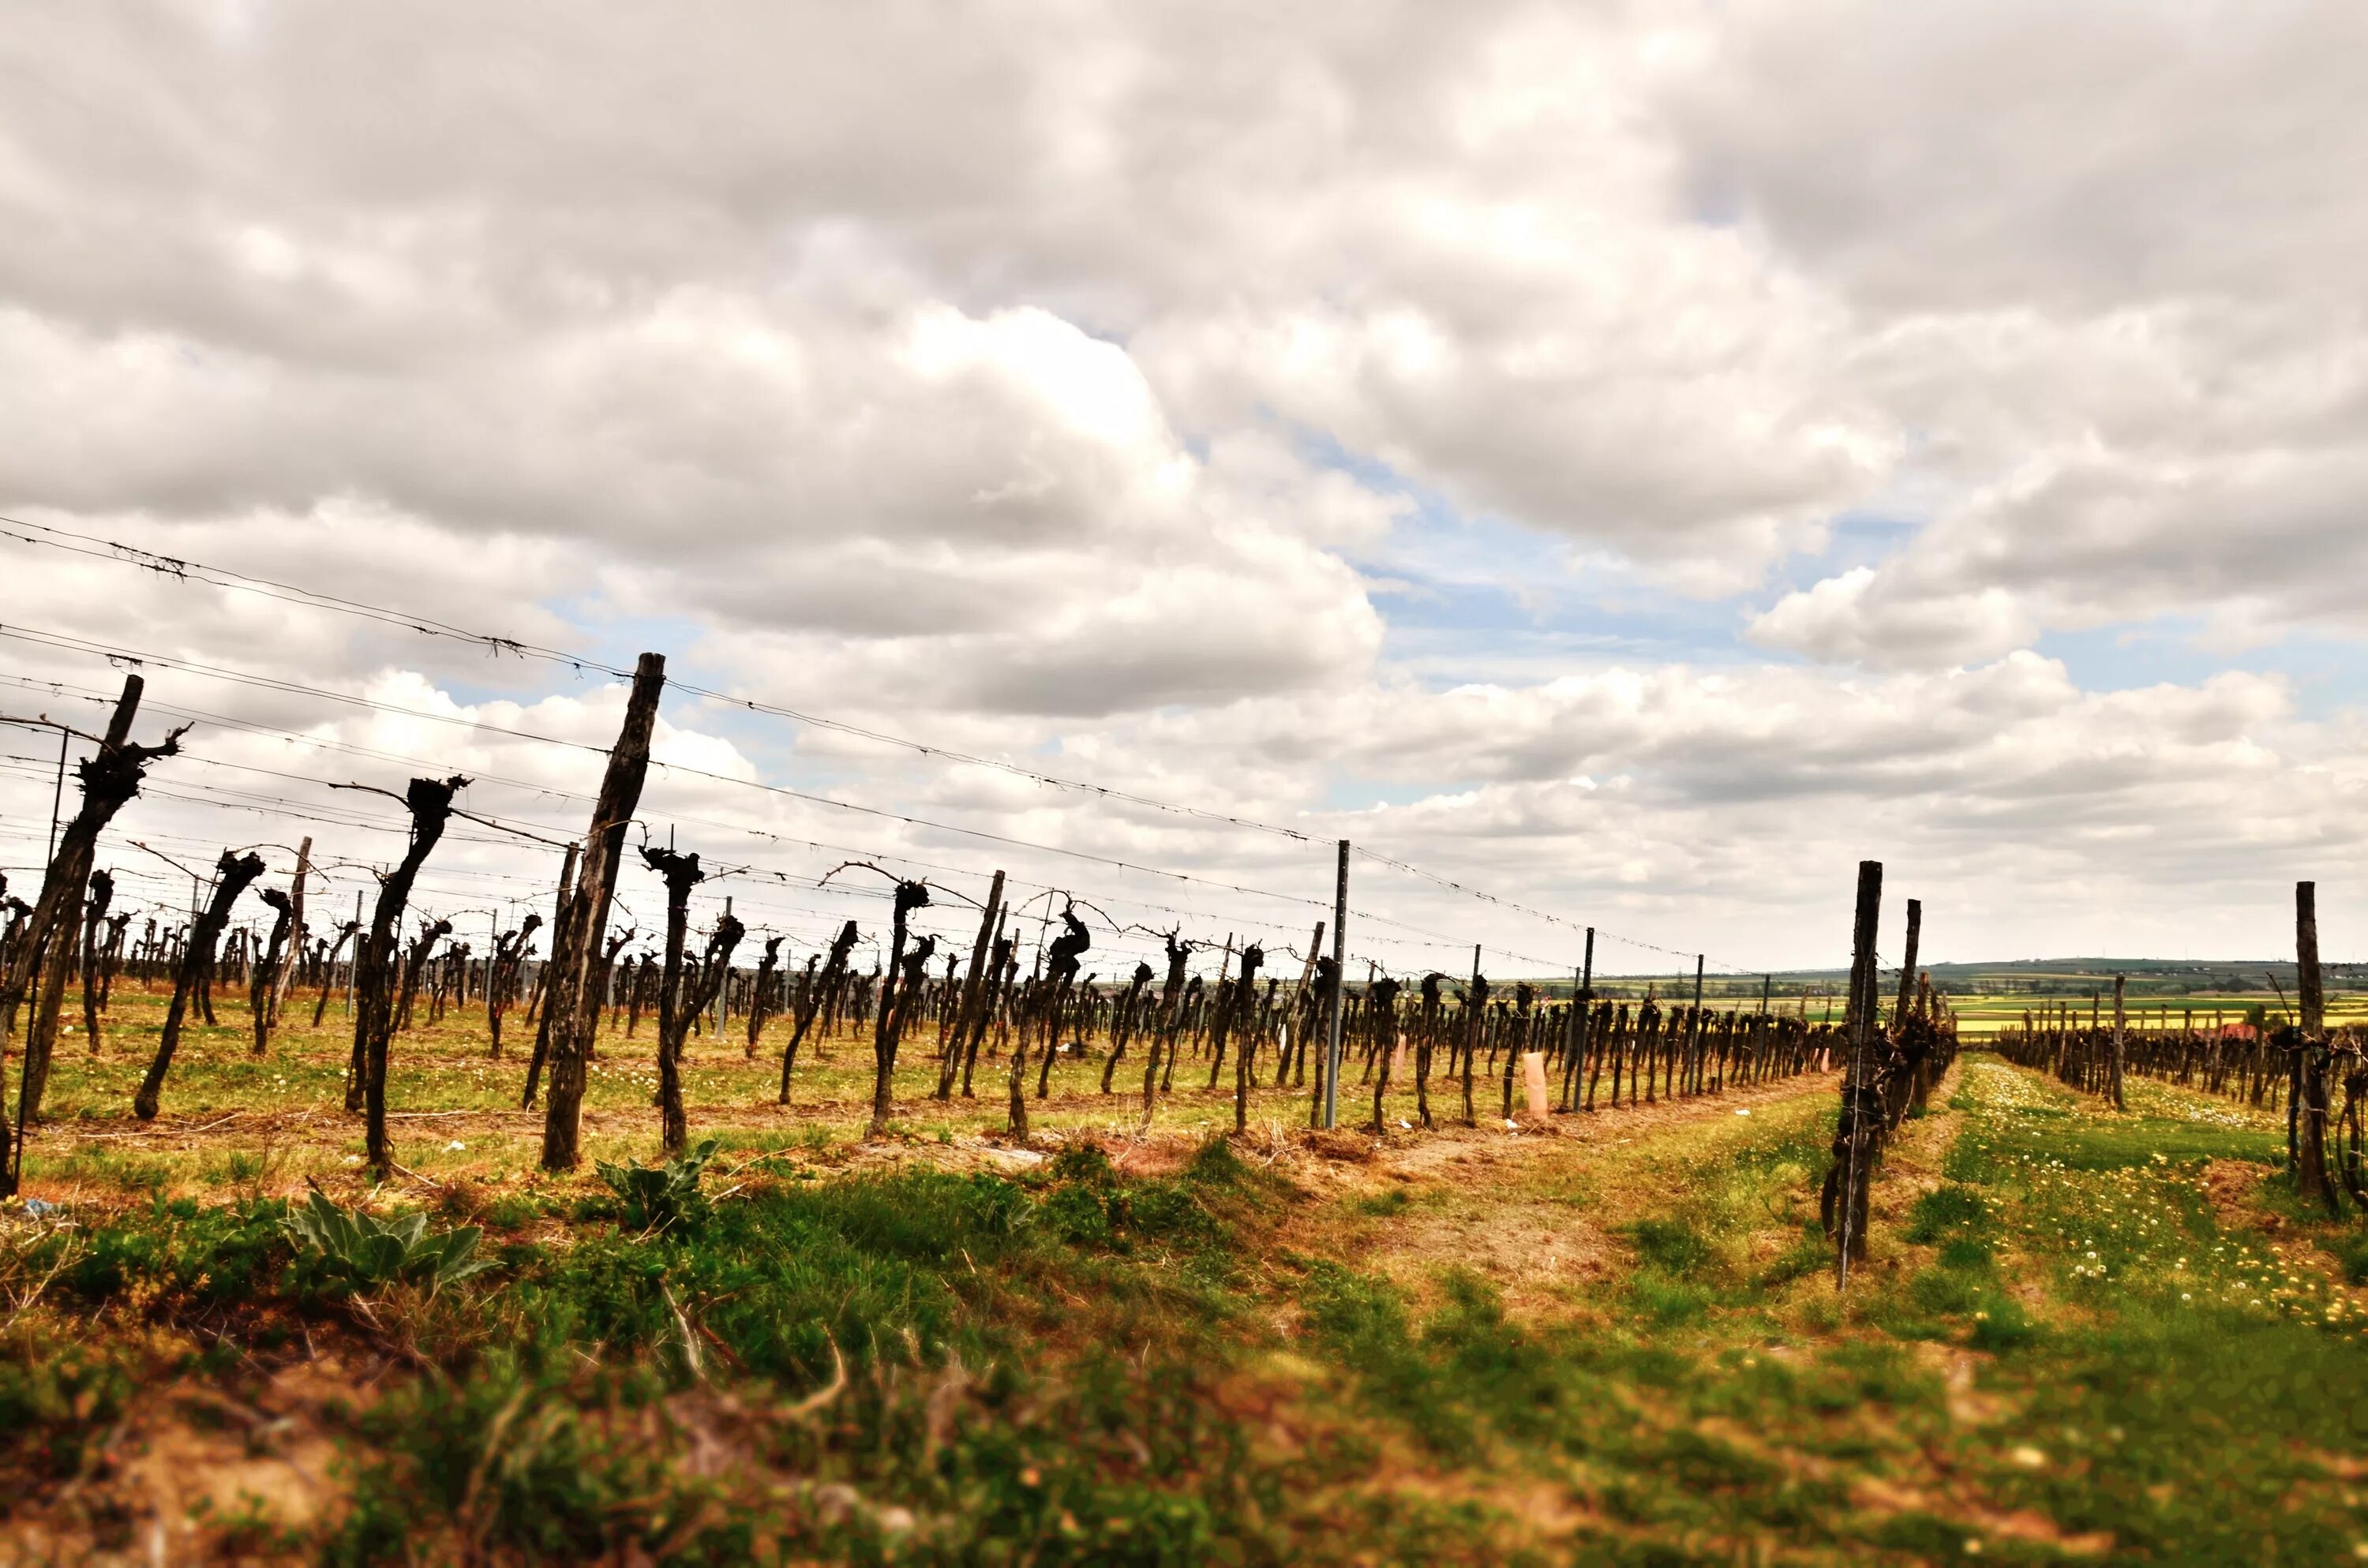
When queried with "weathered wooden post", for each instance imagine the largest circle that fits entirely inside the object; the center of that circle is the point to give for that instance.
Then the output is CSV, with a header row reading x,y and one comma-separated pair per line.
x,y
1582,1007
576,939
1336,1002
2121,1037
287,978
1844,1203
1907,958
1475,1006
2311,1175
1694,1026
44,931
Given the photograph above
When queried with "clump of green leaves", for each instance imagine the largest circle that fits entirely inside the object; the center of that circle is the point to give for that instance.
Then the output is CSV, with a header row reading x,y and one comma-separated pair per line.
x,y
364,1250
665,1196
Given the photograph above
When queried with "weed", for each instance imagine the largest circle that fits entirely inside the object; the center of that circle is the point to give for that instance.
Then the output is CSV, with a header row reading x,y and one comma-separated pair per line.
x,y
659,1197
359,1251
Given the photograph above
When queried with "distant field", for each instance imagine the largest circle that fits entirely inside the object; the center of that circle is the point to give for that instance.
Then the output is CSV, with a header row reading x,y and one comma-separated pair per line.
x,y
1980,1017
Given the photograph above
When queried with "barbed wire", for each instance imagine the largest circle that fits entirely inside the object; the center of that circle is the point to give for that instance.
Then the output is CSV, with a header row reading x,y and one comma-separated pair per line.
x,y
123,552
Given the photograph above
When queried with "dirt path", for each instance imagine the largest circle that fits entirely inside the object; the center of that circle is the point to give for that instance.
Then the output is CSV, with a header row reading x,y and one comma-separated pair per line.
x,y
322,1136
1911,1163
1538,1213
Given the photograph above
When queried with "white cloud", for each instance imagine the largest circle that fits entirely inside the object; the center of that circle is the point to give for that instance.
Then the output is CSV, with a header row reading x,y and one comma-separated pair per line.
x,y
986,380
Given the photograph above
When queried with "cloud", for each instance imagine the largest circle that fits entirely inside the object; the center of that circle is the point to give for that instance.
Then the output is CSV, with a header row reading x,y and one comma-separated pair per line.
x,y
2093,261
1030,384
1844,619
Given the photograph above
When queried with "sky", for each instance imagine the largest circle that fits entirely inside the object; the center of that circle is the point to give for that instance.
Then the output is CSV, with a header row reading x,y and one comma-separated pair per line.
x,y
1631,461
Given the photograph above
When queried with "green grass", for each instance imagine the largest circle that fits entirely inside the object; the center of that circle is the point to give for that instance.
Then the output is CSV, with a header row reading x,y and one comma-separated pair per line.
x,y
1244,1359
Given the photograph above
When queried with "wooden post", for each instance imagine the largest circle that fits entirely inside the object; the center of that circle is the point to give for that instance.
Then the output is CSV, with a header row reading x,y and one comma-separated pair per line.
x,y
578,936
57,797
1854,1149
109,779
2311,1178
286,976
1907,958
1476,999
1694,1028
1583,1020
2121,1044
1339,990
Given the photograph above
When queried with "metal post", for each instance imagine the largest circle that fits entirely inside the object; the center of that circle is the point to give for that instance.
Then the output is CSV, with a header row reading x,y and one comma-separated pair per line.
x,y
1339,990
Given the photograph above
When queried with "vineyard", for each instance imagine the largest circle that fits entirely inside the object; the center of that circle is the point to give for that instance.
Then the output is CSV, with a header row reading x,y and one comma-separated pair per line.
x,y
656,1238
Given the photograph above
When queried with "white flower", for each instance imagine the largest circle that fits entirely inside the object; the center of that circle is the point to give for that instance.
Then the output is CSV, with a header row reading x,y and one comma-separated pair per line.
x,y
454,1146
353,1159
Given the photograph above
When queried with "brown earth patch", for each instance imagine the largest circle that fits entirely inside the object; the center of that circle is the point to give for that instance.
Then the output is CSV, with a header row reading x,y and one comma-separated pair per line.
x,y
193,1473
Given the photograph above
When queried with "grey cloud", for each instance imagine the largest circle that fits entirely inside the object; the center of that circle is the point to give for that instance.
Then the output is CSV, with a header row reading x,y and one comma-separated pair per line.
x,y
951,370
